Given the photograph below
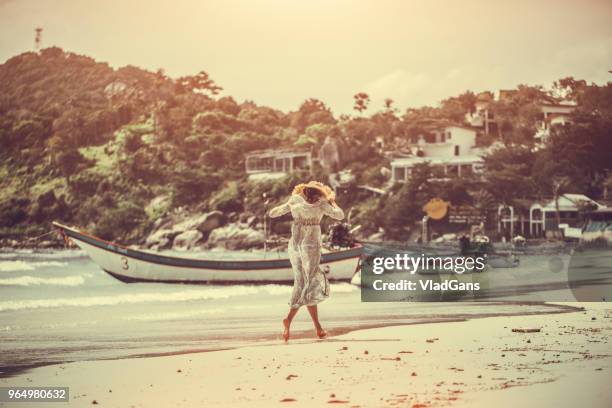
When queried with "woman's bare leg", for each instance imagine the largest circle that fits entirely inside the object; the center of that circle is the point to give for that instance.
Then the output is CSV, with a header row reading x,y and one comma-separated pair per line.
x,y
314,315
287,322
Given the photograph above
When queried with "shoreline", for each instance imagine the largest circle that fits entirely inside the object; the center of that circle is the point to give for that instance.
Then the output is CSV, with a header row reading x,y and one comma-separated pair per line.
x,y
304,336
457,363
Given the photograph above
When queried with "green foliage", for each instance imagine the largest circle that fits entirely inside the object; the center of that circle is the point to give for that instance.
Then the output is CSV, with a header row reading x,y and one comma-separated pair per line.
x,y
312,111
102,140
305,141
361,101
133,142
209,122
194,185
93,207
228,198
518,113
48,206
455,108
86,183
367,214
13,211
119,221
200,83
69,161
276,191
510,167
403,207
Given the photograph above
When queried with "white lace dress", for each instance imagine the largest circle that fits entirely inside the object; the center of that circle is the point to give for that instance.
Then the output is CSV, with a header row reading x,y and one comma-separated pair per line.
x,y
310,285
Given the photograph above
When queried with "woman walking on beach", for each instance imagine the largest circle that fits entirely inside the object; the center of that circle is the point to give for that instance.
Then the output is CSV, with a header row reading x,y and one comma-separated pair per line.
x,y
308,204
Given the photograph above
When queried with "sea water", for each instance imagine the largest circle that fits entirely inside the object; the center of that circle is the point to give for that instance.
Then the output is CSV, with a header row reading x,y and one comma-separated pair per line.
x,y
59,306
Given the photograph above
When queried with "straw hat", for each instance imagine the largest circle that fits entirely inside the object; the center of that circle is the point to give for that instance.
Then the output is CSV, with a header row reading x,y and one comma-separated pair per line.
x,y
327,192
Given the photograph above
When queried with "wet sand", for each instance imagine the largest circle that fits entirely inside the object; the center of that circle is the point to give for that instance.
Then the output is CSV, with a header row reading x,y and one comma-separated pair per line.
x,y
479,362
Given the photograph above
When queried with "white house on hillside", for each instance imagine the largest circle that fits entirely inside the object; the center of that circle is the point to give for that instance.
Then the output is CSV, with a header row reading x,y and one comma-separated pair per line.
x,y
451,150
275,163
482,117
554,114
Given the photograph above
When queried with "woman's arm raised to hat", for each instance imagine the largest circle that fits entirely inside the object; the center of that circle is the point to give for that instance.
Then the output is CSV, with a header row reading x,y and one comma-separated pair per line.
x,y
331,209
280,210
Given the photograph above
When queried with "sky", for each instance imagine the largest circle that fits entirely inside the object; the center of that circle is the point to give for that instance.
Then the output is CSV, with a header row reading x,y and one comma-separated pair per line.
x,y
281,52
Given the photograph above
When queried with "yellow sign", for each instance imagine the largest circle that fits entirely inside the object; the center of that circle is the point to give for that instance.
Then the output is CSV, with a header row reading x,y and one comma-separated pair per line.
x,y
436,208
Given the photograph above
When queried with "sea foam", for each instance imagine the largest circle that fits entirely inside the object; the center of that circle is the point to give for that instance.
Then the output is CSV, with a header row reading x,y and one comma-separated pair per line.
x,y
15,266
38,281
11,266
209,293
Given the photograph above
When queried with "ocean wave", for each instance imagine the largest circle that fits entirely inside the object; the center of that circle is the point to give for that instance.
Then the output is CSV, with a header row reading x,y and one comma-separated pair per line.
x,y
37,281
50,254
11,266
211,293
47,264
14,266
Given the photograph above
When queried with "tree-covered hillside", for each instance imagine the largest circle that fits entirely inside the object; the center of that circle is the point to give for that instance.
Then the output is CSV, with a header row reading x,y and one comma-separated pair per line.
x,y
113,150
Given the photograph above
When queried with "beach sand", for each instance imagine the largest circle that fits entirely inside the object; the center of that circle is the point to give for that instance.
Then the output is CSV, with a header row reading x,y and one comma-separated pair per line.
x,y
479,362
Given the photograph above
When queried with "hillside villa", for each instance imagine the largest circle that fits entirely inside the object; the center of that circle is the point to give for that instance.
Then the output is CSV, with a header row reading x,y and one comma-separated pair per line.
x,y
554,112
276,163
450,150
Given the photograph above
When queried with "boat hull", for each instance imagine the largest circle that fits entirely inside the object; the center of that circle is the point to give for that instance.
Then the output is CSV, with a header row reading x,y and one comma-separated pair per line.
x,y
130,265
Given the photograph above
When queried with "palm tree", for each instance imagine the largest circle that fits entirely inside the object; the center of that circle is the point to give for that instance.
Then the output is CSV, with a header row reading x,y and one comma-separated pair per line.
x,y
388,104
483,200
362,100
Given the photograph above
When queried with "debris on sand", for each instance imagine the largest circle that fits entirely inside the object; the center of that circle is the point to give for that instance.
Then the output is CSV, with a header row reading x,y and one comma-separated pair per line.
x,y
288,400
290,376
526,330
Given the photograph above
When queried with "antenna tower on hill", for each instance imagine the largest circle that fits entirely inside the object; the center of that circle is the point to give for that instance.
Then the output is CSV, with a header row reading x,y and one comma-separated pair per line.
x,y
38,38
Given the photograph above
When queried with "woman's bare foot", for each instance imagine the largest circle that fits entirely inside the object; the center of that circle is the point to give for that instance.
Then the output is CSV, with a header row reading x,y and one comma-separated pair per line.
x,y
286,324
321,333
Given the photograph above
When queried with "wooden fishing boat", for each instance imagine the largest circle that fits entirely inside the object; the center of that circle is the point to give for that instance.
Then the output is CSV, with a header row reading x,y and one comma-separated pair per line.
x,y
132,265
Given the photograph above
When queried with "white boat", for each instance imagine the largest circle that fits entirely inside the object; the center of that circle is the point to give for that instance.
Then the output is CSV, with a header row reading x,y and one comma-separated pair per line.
x,y
132,265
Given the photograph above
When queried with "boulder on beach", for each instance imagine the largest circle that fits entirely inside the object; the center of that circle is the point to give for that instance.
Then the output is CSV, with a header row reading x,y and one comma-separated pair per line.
x,y
170,228
203,222
158,206
161,239
235,237
187,240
